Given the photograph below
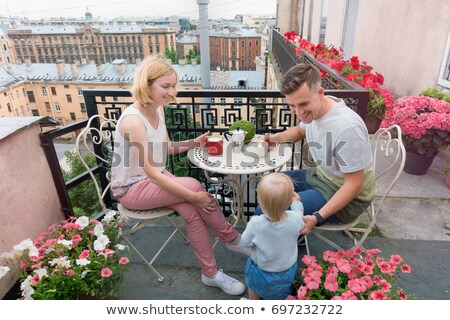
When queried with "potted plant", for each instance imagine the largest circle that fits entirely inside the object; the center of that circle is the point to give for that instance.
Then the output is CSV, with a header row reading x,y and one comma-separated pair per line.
x,y
354,70
75,259
350,275
247,126
425,124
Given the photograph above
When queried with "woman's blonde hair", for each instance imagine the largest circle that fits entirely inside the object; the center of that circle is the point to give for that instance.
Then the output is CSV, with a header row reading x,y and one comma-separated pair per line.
x,y
150,69
275,193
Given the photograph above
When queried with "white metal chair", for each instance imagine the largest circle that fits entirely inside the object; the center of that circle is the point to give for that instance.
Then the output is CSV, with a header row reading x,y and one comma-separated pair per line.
x,y
388,162
98,133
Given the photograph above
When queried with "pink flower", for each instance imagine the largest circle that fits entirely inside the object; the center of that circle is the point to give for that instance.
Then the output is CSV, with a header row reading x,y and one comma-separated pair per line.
x,y
123,260
349,295
385,286
356,285
301,293
331,284
35,279
76,239
290,298
308,260
84,254
384,266
396,259
70,272
401,295
106,272
405,268
312,283
377,295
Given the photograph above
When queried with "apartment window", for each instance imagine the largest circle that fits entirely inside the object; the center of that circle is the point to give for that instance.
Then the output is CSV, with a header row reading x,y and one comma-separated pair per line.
x,y
243,53
12,96
249,43
115,98
47,106
222,120
249,53
22,110
69,98
73,117
18,94
256,43
8,105
80,91
82,107
233,43
222,100
197,109
28,107
53,90
44,91
35,112
243,43
66,86
242,63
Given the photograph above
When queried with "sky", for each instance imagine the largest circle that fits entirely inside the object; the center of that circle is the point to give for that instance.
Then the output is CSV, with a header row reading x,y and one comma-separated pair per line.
x,y
35,9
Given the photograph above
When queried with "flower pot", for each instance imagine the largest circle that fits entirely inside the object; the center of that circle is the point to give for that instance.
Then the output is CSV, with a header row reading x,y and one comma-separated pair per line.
x,y
372,124
417,164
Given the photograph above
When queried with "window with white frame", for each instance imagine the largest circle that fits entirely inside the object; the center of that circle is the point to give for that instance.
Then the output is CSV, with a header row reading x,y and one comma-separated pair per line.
x,y
444,73
57,107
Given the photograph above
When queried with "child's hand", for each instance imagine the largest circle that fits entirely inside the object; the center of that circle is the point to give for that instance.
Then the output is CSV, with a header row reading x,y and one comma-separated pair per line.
x,y
296,197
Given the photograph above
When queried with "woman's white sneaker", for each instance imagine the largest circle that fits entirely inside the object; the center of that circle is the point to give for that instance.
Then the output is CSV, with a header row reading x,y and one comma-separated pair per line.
x,y
225,282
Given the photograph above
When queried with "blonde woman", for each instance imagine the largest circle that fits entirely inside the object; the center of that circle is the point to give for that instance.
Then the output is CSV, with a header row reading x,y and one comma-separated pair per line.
x,y
271,239
141,181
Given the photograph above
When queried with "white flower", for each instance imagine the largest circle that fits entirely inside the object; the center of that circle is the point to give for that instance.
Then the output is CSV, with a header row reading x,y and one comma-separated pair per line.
x,y
82,262
9,255
41,272
101,242
25,244
33,251
61,262
83,274
3,271
120,246
83,222
98,229
65,243
109,216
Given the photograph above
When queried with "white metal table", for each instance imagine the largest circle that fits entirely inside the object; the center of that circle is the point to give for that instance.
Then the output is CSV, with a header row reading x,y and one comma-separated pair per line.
x,y
241,167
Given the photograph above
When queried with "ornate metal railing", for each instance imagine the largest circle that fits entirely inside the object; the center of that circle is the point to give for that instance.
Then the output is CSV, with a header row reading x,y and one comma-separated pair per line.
x,y
195,113
355,96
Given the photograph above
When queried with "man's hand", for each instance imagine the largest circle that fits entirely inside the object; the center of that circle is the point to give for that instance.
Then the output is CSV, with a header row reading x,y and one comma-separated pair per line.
x,y
310,222
269,140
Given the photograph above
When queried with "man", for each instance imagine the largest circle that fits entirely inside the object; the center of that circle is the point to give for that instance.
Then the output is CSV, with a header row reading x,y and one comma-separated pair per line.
x,y
342,184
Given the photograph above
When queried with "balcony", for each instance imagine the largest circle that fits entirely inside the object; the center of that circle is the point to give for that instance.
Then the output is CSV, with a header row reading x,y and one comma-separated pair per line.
x,y
416,231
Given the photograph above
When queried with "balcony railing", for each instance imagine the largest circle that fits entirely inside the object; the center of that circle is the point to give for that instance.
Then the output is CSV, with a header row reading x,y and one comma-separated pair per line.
x,y
355,96
195,113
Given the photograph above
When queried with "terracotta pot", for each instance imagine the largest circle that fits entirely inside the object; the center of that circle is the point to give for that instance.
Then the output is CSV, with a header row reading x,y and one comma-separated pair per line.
x,y
417,164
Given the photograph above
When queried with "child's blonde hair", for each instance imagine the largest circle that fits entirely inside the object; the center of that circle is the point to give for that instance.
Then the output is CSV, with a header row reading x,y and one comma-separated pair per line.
x,y
150,69
275,193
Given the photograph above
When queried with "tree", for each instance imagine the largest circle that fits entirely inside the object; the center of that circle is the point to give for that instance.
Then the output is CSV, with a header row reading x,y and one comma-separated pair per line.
x,y
171,54
84,196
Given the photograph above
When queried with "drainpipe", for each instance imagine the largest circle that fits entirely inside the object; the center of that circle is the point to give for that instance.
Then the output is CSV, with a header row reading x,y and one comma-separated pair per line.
x,y
36,98
204,43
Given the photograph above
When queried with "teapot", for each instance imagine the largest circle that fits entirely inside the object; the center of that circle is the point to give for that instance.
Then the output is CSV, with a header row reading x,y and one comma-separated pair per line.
x,y
237,136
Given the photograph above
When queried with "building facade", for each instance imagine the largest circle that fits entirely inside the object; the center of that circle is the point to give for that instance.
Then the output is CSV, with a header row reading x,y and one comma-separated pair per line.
x,y
91,43
234,49
408,42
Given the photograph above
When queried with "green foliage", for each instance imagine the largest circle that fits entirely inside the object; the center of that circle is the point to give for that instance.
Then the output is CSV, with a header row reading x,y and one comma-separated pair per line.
x,y
434,92
171,54
376,107
247,126
193,54
84,196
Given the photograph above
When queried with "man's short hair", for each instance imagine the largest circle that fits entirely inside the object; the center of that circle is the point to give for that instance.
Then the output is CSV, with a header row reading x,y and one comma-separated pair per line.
x,y
298,75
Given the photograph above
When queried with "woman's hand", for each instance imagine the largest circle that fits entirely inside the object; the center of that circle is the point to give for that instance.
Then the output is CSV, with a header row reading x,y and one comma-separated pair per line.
x,y
204,201
202,139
